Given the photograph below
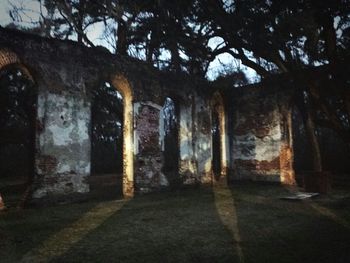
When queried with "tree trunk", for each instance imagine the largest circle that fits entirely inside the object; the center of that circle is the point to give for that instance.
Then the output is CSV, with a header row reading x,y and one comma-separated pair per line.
x,y
151,47
122,41
175,57
305,107
310,129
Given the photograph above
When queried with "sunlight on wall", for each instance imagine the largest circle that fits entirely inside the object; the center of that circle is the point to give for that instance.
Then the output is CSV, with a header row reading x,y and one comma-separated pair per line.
x,y
218,106
123,86
61,242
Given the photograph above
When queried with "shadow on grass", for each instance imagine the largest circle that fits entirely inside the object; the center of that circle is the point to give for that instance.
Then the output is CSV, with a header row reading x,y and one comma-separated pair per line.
x,y
168,227
274,230
243,223
21,230
180,226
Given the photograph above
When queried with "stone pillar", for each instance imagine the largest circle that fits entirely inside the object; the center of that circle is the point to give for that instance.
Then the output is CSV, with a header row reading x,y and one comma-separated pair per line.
x,y
188,168
123,86
63,144
217,104
286,151
148,141
128,148
203,148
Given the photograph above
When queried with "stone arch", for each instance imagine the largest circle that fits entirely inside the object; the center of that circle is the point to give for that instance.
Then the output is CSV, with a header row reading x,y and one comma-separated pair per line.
x,y
9,59
122,85
217,104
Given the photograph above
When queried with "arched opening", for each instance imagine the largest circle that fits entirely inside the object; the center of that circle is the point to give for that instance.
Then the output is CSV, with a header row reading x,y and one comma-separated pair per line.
x,y
216,142
106,141
123,87
218,132
18,98
171,151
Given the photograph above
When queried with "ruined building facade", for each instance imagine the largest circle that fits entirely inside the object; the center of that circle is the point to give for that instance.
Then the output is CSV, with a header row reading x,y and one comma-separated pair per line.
x,y
253,123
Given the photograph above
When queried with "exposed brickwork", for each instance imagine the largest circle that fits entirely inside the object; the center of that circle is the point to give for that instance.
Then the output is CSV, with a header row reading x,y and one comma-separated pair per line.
x,y
262,150
2,204
7,57
128,188
254,141
257,117
149,163
147,122
255,165
47,164
286,165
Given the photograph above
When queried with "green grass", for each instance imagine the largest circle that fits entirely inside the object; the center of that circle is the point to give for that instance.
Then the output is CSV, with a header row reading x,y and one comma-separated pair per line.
x,y
243,223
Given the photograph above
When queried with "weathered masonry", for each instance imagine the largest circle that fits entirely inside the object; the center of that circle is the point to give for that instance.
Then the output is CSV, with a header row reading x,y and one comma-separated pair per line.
x,y
249,126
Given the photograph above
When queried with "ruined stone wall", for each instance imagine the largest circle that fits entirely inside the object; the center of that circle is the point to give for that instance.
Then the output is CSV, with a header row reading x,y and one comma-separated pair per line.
x,y
63,114
148,147
65,74
63,152
255,125
195,140
260,135
203,145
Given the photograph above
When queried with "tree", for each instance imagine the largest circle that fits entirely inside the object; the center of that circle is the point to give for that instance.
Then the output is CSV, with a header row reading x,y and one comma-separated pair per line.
x,y
17,129
281,36
171,26
106,130
269,36
66,19
289,37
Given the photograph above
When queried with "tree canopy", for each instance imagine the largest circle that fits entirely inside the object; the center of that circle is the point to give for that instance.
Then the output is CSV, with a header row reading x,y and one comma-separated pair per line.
x,y
268,36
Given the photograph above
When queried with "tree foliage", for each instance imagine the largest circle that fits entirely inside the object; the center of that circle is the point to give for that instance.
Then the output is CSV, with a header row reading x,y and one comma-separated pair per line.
x,y
17,106
17,123
269,36
106,130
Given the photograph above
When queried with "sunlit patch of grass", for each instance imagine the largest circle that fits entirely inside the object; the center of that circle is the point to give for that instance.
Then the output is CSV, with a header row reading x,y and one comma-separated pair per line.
x,y
245,222
331,215
61,242
225,205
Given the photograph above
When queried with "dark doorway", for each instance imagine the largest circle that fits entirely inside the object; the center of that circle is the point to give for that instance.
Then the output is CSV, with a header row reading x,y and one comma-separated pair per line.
x,y
107,141
17,134
171,142
216,140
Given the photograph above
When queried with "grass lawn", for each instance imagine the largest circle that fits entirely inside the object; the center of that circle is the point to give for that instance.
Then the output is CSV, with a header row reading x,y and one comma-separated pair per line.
x,y
242,223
